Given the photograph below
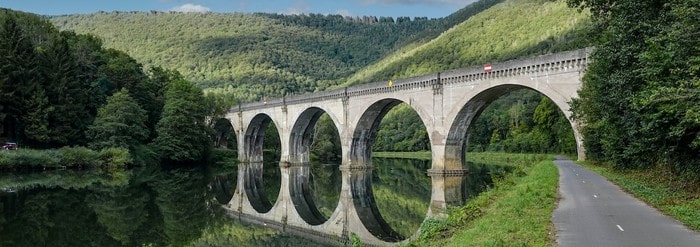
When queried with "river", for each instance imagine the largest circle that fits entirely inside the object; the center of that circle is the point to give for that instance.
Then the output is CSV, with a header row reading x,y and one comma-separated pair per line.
x,y
155,206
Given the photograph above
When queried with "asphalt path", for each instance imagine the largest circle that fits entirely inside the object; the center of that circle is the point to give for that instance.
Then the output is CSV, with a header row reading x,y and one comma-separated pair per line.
x,y
593,211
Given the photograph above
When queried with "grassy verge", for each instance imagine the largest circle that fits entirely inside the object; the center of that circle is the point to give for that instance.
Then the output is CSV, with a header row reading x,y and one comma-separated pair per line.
x,y
516,212
659,189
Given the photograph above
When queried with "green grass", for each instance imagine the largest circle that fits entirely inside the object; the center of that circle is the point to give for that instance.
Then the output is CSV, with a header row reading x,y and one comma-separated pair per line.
x,y
516,212
658,188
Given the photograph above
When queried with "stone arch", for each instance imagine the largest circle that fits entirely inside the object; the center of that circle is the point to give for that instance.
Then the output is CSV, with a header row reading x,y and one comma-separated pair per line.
x,y
254,137
300,140
367,125
252,162
223,128
457,136
301,135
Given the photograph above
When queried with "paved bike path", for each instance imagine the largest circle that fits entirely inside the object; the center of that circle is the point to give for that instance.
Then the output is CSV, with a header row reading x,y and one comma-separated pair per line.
x,y
593,211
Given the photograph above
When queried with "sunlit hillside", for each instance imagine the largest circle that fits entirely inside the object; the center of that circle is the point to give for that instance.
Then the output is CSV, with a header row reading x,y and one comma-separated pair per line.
x,y
509,30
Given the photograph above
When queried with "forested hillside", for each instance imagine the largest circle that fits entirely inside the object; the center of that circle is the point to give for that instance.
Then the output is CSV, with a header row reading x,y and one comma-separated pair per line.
x,y
253,56
509,30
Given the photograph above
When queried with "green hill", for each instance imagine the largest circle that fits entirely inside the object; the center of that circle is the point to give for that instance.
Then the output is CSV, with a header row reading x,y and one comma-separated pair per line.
x,y
259,55
509,30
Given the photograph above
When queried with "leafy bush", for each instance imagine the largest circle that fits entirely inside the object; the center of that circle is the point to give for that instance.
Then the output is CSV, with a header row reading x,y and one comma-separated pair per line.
x,y
115,157
77,156
30,158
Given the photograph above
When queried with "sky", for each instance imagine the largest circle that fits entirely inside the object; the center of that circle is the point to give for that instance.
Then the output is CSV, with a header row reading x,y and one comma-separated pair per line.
x,y
394,8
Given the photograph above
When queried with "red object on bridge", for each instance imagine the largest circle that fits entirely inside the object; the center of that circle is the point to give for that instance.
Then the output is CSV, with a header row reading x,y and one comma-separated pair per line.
x,y
487,68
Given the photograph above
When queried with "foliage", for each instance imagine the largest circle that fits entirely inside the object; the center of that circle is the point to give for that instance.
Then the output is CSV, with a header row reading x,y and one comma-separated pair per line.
x,y
640,96
119,123
64,89
326,144
75,157
115,157
522,121
182,133
401,130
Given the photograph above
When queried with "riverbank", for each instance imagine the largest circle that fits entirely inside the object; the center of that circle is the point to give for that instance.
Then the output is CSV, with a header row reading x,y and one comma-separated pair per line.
x,y
515,212
63,158
658,188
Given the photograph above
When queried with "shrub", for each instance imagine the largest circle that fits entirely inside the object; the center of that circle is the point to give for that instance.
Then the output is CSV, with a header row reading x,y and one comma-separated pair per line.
x,y
115,157
78,156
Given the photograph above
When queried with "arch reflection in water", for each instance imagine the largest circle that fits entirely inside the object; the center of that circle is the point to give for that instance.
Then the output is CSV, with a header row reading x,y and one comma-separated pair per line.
x,y
262,193
392,198
315,190
402,191
459,189
223,182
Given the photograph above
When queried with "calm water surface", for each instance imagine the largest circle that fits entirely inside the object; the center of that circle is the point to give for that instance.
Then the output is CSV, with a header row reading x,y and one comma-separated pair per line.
x,y
182,206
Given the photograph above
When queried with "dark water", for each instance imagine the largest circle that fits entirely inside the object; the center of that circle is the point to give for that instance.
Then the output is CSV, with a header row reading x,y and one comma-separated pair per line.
x,y
182,207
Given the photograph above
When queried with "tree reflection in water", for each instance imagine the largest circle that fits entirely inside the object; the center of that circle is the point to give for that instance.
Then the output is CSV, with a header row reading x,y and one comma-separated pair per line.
x,y
144,206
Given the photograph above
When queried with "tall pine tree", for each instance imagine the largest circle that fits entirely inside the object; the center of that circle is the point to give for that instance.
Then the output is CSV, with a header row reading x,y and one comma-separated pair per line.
x,y
182,131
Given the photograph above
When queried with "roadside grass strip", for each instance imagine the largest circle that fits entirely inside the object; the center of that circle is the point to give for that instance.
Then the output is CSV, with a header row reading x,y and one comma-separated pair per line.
x,y
516,212
659,189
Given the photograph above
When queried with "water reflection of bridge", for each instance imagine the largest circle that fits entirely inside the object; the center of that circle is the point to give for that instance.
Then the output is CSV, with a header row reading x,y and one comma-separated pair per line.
x,y
357,213
446,102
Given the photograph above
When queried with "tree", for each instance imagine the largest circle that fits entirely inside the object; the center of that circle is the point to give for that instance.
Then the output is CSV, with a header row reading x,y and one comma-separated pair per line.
x,y
18,74
182,130
640,96
326,145
66,93
119,123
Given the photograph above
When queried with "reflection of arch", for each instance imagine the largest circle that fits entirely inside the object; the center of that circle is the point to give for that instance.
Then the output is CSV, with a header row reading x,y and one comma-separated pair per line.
x,y
301,193
254,137
223,187
457,137
366,207
253,185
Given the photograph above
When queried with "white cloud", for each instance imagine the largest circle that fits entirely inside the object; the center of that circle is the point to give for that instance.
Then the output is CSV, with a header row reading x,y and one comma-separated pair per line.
x,y
191,8
297,8
344,12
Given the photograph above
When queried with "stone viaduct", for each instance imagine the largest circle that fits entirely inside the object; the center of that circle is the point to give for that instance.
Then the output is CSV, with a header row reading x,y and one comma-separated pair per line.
x,y
447,102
